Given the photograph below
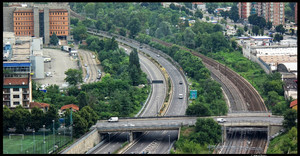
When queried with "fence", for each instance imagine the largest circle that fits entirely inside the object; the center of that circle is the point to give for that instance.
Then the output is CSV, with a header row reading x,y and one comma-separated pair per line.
x,y
40,142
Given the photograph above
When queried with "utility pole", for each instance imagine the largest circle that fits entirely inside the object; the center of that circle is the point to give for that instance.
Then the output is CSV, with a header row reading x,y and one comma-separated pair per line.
x,y
53,137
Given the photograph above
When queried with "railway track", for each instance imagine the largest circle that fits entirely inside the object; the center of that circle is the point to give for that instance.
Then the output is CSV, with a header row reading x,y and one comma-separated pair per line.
x,y
253,100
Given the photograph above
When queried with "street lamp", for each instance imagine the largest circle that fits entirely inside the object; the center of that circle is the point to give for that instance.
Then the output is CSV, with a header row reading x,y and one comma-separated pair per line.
x,y
169,141
33,141
44,140
59,139
157,107
53,137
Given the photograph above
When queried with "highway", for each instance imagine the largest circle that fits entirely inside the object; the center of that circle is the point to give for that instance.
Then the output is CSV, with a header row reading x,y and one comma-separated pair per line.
x,y
177,106
155,102
92,66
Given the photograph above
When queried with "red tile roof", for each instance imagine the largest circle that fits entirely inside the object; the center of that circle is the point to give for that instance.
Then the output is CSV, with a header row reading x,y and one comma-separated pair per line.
x,y
293,103
15,81
74,107
198,3
39,105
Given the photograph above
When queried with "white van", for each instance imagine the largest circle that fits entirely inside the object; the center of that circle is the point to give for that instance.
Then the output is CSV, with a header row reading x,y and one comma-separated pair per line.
x,y
221,120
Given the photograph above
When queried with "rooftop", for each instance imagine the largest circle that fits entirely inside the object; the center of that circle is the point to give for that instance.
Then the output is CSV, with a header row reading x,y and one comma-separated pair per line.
x,y
39,105
15,81
74,107
293,103
278,59
290,83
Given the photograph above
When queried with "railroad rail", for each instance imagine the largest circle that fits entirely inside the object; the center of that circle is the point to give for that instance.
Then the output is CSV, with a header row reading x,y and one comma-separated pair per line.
x,y
252,98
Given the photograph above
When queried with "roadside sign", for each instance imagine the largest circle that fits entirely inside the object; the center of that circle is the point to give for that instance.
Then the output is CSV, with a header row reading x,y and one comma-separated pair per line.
x,y
193,94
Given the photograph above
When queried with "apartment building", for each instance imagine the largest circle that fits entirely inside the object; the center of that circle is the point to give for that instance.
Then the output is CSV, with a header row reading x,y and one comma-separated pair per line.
x,y
38,20
274,12
244,9
271,11
296,13
17,91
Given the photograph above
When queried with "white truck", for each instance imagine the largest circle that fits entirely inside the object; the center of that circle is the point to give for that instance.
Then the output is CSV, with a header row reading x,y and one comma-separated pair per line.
x,y
113,119
66,48
221,120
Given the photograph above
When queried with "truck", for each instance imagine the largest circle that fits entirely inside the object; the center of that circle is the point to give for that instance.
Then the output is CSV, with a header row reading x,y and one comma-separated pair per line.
x,y
66,48
221,120
113,119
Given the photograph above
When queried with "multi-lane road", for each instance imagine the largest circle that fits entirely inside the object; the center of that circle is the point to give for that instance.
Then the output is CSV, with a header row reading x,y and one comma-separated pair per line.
x,y
177,106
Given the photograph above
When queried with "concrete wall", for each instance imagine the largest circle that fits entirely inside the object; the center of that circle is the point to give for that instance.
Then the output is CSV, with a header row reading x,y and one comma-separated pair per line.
x,y
36,23
37,67
8,23
273,129
46,26
84,144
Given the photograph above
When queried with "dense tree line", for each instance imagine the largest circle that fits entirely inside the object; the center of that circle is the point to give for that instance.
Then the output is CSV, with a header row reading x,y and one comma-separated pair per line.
x,y
197,139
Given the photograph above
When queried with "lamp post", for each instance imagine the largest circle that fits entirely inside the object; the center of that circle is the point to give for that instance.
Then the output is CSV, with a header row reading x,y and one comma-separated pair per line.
x,y
59,139
33,141
53,137
169,141
157,107
44,140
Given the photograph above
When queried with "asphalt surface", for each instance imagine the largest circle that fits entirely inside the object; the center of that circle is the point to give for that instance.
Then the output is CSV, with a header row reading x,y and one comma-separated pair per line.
x,y
155,102
177,106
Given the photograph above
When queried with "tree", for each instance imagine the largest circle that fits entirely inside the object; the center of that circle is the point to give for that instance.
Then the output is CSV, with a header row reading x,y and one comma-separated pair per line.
x,y
240,32
277,38
21,119
188,37
134,67
80,125
51,114
255,30
217,27
37,118
163,30
74,21
199,14
7,118
234,13
79,32
82,99
123,32
54,39
269,25
74,76
245,28
279,28
90,10
134,27
289,120
209,129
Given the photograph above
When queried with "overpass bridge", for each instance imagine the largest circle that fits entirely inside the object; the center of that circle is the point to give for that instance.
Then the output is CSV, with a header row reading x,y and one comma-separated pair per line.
x,y
135,126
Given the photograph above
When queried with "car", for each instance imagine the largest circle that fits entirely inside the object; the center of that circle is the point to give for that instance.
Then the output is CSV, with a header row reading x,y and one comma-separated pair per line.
x,y
157,55
85,65
180,96
131,124
221,120
180,82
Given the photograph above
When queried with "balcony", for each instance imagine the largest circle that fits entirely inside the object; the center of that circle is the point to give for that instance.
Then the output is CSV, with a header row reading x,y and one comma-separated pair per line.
x,y
25,92
26,99
6,99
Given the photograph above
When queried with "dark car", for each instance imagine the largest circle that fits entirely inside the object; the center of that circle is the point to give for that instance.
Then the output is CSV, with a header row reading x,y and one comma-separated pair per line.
x,y
180,82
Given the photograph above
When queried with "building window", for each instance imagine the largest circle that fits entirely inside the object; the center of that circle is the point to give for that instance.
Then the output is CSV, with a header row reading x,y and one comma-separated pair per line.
x,y
16,89
16,96
16,103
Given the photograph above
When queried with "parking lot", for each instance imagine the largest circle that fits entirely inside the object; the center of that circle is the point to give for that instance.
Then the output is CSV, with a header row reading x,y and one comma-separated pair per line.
x,y
60,62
